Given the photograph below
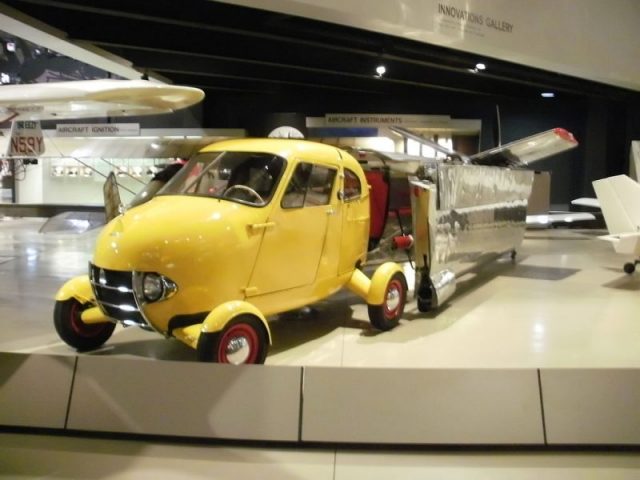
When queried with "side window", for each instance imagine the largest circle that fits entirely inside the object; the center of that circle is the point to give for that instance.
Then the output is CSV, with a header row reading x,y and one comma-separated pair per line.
x,y
320,186
294,195
310,185
352,186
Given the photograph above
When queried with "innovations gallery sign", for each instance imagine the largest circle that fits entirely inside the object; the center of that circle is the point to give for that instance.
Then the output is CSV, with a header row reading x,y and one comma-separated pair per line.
x,y
454,18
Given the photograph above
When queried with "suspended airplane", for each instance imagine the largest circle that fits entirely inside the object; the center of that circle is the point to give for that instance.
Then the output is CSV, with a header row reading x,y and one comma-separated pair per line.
x,y
93,98
26,105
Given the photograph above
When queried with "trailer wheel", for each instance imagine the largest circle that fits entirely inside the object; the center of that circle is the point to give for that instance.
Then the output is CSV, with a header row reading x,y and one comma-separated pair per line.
x,y
629,268
242,340
76,333
386,316
423,305
424,293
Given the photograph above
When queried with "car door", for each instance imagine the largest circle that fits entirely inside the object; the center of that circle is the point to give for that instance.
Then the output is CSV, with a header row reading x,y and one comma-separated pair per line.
x,y
355,221
294,240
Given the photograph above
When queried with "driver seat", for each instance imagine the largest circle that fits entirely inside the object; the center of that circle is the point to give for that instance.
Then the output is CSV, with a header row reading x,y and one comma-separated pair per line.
x,y
254,173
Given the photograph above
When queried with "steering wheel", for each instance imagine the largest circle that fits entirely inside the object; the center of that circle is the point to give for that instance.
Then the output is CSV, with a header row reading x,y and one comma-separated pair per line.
x,y
244,188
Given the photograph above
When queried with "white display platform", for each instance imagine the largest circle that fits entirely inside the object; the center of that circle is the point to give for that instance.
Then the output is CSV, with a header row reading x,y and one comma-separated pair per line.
x,y
541,352
315,404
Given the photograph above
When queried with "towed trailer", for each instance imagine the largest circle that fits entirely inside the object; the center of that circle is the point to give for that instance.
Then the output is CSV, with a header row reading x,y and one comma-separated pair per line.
x,y
465,211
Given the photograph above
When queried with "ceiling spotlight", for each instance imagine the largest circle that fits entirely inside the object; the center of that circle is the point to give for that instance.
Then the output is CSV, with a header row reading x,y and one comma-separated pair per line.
x,y
480,66
548,94
380,70
11,46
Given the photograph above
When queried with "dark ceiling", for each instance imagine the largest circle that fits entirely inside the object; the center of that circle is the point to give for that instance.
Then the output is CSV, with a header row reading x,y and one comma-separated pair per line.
x,y
224,48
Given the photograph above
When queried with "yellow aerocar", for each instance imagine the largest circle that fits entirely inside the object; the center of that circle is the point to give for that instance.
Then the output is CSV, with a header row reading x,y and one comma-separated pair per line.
x,y
246,229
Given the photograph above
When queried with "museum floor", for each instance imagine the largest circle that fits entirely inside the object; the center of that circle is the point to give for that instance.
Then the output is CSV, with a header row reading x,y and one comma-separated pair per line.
x,y
564,303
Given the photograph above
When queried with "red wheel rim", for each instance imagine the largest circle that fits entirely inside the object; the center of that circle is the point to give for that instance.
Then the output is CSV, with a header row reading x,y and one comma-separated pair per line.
x,y
239,344
79,327
393,299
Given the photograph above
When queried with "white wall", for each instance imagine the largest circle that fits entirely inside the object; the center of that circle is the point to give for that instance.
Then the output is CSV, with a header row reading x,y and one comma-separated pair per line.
x,y
29,184
593,39
82,190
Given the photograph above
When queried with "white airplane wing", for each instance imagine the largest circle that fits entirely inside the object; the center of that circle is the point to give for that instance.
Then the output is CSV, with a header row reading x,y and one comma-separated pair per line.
x,y
515,154
529,149
586,202
548,219
93,98
619,198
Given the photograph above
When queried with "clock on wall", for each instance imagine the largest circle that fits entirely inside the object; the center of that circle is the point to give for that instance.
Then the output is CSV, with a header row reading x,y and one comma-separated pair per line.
x,y
286,131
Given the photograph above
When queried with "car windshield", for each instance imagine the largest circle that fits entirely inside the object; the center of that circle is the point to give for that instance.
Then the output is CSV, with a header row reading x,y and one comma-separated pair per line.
x,y
245,177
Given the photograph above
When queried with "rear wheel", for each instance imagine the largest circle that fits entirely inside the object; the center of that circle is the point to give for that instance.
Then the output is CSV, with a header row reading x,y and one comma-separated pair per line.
x,y
629,268
76,333
386,316
242,340
425,295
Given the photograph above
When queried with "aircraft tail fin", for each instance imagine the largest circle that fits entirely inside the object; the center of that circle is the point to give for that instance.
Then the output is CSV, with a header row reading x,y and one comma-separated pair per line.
x,y
619,198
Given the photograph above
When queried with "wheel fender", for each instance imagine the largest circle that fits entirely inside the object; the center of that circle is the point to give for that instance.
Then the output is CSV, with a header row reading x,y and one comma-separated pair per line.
x,y
78,288
379,282
224,313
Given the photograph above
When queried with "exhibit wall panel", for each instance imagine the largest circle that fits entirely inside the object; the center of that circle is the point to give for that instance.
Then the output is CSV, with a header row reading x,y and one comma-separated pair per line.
x,y
103,394
590,39
422,406
591,406
35,389
186,399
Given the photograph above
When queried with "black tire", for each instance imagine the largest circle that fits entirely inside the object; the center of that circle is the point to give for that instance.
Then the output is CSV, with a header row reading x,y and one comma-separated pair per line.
x,y
629,268
424,305
425,294
245,333
76,333
387,316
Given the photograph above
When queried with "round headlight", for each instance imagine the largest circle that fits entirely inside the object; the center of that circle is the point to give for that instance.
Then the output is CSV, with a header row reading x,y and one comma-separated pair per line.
x,y
152,287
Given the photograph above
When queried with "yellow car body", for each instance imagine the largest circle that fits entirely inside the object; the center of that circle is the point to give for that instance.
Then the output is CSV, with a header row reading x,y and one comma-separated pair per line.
x,y
222,257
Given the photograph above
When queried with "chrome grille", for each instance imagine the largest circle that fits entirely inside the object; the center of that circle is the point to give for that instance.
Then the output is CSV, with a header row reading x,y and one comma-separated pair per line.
x,y
115,295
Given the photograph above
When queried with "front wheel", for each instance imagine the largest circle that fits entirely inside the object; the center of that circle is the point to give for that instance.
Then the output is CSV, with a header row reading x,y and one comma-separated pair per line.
x,y
387,316
242,340
629,268
76,333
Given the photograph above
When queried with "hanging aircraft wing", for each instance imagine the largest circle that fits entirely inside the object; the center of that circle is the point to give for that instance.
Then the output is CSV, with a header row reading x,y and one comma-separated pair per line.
x,y
25,105
527,150
93,98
